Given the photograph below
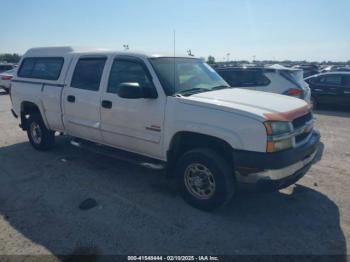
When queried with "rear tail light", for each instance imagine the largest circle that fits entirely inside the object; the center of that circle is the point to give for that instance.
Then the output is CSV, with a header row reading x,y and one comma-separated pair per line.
x,y
296,92
6,77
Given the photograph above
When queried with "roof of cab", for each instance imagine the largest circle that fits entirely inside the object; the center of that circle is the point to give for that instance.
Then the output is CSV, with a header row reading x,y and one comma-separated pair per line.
x,y
65,50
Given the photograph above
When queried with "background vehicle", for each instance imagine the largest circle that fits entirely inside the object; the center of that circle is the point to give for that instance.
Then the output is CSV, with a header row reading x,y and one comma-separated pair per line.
x,y
330,88
166,111
6,67
5,80
341,69
308,69
274,79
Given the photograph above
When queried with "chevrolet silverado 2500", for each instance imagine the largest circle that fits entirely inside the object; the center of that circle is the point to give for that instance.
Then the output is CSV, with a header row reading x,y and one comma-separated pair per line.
x,y
172,110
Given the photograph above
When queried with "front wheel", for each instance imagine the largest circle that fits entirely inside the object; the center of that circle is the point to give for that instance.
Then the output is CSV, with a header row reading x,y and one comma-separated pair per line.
x,y
205,179
39,136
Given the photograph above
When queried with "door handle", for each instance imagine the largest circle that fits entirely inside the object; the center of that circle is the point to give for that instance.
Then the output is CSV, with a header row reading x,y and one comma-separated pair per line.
x,y
106,104
71,99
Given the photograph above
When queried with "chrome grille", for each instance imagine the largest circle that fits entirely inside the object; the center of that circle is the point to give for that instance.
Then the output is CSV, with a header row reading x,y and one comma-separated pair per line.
x,y
302,137
304,125
301,121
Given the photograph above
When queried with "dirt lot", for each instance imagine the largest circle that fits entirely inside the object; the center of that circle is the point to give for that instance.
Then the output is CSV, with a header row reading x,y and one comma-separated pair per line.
x,y
139,211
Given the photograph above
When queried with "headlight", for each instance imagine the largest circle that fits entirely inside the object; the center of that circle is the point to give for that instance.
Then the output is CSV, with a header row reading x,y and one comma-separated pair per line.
x,y
278,136
277,128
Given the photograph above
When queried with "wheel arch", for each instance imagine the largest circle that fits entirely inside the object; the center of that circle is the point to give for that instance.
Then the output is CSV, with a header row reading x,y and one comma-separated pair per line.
x,y
184,141
30,108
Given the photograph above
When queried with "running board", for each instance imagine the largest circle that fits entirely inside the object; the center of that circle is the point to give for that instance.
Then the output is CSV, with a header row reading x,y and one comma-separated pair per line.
x,y
118,154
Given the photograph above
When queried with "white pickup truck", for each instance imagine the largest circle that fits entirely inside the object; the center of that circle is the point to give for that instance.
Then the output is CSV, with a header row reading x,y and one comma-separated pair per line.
x,y
175,111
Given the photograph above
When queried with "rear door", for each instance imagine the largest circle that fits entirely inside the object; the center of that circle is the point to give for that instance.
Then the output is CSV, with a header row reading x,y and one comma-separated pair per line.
x,y
328,89
81,98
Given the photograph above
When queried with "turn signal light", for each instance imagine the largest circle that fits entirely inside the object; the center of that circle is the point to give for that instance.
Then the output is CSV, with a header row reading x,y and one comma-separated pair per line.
x,y
270,147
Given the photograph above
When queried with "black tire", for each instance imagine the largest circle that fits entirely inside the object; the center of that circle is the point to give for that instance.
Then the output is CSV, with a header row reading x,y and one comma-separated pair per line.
x,y
47,137
223,174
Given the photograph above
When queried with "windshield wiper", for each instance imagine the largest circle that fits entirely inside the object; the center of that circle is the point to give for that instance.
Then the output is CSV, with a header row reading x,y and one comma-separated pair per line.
x,y
197,90
193,91
220,87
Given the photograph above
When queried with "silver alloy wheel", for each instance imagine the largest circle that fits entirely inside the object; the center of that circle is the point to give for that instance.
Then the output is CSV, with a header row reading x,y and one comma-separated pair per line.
x,y
199,181
36,133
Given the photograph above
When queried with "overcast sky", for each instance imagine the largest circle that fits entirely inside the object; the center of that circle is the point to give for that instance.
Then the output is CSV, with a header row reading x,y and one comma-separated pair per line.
x,y
268,29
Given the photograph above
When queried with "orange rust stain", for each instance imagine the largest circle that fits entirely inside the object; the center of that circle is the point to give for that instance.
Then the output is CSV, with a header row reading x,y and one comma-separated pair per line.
x,y
289,115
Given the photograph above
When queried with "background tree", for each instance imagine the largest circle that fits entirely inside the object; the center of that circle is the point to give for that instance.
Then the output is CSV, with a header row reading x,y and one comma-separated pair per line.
x,y
10,58
211,60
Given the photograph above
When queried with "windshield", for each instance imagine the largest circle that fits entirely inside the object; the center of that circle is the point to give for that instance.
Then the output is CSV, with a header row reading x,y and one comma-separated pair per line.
x,y
186,76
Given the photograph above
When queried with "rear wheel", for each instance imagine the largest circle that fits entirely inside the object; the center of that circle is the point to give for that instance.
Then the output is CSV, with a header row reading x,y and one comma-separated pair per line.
x,y
39,136
206,181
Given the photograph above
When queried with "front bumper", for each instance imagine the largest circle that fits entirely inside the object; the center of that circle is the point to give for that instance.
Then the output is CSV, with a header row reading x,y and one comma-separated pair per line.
x,y
269,185
275,170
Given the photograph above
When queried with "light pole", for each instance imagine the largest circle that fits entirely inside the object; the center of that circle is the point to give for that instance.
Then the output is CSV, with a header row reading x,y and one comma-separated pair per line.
x,y
126,47
228,57
254,57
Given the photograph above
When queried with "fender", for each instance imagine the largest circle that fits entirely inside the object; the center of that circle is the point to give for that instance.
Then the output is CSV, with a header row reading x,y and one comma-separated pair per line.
x,y
229,136
38,104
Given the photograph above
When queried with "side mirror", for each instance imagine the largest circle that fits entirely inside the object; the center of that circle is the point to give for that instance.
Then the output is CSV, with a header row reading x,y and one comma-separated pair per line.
x,y
130,91
135,91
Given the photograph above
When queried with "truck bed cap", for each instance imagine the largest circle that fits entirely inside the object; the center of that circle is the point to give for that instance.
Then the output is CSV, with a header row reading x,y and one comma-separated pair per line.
x,y
65,50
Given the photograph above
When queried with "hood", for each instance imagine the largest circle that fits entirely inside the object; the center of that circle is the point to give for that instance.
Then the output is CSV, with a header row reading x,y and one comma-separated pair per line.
x,y
257,104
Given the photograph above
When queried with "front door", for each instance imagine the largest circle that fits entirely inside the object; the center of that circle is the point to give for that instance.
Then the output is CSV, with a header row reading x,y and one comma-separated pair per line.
x,y
81,99
132,124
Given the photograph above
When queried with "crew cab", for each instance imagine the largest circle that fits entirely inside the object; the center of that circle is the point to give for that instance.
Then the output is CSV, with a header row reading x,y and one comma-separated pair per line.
x,y
175,111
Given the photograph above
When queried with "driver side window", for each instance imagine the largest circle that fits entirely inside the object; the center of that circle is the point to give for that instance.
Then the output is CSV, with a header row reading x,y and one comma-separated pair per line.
x,y
124,71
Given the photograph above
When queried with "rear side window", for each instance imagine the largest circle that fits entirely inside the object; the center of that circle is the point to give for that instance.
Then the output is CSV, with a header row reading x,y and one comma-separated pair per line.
x,y
88,72
231,77
245,78
48,68
4,68
331,80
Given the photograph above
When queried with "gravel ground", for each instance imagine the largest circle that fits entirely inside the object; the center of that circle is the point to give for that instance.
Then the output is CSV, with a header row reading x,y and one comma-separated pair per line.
x,y
138,211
